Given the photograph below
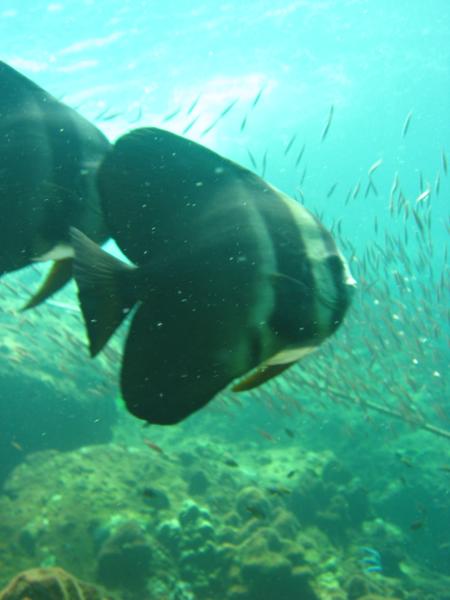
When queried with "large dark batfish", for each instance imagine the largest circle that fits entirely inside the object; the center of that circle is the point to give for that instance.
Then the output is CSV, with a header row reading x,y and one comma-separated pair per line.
x,y
48,160
231,275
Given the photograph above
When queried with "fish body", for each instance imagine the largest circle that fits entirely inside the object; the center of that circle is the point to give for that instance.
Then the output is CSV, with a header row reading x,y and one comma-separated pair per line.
x,y
153,446
258,95
230,276
374,167
193,105
300,155
370,560
219,118
423,196
444,162
328,124
289,144
48,158
278,491
406,124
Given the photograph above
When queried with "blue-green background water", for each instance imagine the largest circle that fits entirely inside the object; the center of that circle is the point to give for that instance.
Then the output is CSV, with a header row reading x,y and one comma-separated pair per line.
x,y
374,61
127,64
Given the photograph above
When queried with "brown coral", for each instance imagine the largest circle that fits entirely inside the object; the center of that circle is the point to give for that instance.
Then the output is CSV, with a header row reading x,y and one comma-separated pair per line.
x,y
49,584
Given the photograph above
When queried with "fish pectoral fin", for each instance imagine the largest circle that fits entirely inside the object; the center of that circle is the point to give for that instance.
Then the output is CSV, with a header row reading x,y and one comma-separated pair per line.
x,y
260,376
286,281
106,289
57,277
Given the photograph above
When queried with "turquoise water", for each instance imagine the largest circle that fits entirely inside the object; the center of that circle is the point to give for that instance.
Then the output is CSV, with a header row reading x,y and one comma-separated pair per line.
x,y
363,423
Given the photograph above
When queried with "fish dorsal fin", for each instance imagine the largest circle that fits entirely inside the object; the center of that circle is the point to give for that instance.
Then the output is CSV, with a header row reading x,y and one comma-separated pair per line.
x,y
105,289
57,277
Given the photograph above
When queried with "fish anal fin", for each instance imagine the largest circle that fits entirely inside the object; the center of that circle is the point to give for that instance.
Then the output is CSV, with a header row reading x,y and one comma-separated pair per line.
x,y
162,380
105,286
57,277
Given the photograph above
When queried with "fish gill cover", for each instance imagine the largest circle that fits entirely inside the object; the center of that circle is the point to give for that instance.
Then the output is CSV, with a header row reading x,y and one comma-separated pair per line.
x,y
271,492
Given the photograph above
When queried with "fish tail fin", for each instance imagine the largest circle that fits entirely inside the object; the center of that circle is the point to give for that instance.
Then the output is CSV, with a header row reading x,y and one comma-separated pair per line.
x,y
105,289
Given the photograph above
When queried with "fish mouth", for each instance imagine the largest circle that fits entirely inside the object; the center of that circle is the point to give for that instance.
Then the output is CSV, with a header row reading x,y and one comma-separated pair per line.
x,y
349,280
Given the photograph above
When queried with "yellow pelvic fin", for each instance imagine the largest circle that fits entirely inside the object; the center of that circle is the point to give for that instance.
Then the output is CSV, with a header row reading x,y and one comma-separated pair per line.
x,y
261,375
57,253
57,277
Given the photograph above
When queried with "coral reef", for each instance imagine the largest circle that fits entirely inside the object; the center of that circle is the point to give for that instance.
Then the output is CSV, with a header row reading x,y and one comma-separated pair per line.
x,y
130,518
124,559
